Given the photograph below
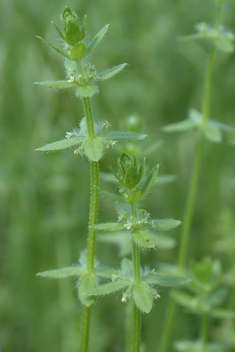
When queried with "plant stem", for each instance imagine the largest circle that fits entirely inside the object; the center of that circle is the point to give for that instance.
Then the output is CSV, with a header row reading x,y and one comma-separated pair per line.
x,y
93,214
192,191
204,327
136,311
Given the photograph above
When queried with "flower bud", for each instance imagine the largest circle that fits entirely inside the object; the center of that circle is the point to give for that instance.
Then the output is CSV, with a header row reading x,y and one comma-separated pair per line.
x,y
71,27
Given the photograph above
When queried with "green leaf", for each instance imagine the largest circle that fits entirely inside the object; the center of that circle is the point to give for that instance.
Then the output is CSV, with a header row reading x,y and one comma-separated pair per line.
x,y
222,314
63,144
211,132
134,196
113,196
122,137
97,39
93,148
166,280
109,288
78,52
163,241
193,304
86,283
105,272
87,91
181,126
53,47
126,265
111,72
63,273
143,238
109,226
224,42
166,224
59,31
57,84
149,182
142,296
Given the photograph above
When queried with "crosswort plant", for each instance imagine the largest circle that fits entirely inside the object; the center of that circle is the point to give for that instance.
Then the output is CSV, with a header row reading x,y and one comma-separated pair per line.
x,y
90,140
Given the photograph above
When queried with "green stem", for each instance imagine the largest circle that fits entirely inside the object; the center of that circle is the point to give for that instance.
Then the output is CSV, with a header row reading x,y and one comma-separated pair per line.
x,y
136,313
93,214
204,328
192,191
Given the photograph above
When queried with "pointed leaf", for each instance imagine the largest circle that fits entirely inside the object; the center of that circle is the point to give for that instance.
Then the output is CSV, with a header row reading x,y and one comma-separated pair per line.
x,y
63,144
59,31
93,149
163,241
63,273
109,226
109,288
126,265
53,47
106,272
97,39
181,126
113,196
143,296
57,84
86,283
222,314
211,132
87,91
143,238
166,280
166,224
224,42
149,182
122,137
111,72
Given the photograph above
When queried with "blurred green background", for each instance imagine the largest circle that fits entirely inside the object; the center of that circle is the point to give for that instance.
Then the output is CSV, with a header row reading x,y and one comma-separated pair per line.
x,y
44,198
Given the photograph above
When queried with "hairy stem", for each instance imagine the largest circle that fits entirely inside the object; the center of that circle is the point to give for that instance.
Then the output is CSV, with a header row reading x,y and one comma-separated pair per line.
x,y
136,312
192,190
93,214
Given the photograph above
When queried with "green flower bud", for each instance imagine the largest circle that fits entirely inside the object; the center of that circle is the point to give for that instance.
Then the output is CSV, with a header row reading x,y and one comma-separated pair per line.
x,y
71,27
129,174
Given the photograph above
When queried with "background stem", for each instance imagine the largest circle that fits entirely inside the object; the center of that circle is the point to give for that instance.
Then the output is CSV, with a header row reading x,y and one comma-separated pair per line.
x,y
192,191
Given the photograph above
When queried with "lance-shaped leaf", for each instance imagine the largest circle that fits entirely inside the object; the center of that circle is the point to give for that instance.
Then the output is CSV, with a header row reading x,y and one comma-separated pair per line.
x,y
113,196
93,148
58,31
105,272
149,182
63,144
55,48
180,126
142,296
143,238
109,226
194,304
222,314
97,39
166,224
111,72
87,91
163,241
122,137
165,280
86,283
63,273
211,132
109,288
57,84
